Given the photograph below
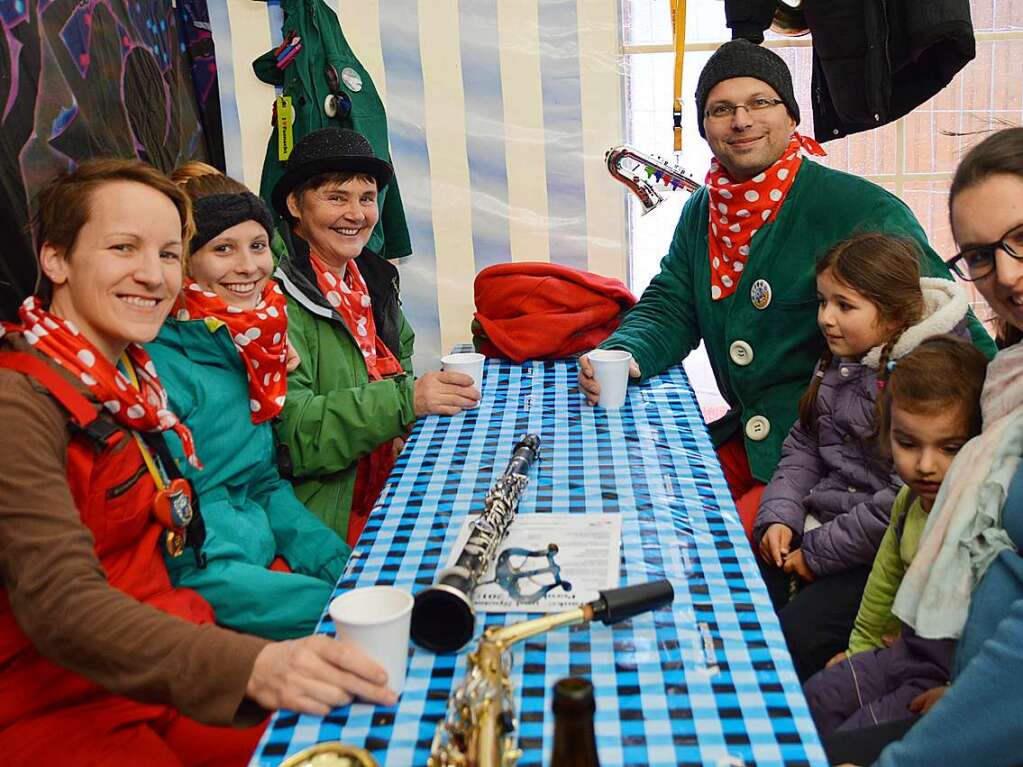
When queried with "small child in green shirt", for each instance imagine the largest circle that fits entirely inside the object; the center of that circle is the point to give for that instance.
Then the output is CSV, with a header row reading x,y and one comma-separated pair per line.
x,y
930,408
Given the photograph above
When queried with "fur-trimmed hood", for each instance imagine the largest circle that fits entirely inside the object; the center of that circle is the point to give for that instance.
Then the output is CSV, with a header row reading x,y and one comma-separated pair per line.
x,y
945,306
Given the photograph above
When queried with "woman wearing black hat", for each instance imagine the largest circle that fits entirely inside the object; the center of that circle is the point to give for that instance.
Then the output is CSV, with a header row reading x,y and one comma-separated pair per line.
x,y
353,396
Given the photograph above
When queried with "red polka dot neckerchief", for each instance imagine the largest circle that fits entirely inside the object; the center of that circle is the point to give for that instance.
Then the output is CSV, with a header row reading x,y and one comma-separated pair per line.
x,y
349,297
739,210
260,335
142,409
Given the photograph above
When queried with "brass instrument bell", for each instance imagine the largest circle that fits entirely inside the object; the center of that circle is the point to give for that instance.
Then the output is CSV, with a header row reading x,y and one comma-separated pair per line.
x,y
789,20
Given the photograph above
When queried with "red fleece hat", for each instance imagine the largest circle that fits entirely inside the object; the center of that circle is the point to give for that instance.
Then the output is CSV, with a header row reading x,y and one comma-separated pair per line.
x,y
536,310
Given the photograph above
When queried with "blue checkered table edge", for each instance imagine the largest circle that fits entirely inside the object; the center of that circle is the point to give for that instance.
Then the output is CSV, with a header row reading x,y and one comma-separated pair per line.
x,y
706,681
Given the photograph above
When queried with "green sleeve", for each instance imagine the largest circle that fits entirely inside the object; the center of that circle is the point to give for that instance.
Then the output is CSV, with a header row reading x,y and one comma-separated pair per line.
x,y
327,432
661,329
250,598
309,546
406,344
875,618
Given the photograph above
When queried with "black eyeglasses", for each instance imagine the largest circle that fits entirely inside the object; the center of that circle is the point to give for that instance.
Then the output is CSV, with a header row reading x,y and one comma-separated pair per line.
x,y
977,262
723,110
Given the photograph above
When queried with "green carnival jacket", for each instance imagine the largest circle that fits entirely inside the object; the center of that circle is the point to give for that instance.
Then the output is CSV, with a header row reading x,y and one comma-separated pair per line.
x,y
305,81
252,515
763,358
334,415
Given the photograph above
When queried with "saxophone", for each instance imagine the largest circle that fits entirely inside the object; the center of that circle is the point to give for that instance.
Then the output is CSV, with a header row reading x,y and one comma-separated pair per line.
x,y
443,618
479,728
656,168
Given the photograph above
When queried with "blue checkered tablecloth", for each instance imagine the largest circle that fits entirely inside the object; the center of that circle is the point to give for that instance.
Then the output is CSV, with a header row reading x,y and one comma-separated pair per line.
x,y
707,681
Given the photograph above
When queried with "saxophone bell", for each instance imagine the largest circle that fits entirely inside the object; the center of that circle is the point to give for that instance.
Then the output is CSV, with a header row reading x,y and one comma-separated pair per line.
x,y
655,168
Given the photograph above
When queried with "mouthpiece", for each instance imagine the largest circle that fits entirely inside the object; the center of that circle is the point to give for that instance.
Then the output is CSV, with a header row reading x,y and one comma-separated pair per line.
x,y
616,605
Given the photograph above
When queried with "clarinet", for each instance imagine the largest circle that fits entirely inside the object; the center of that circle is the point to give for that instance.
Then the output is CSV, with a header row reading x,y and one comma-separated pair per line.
x,y
443,617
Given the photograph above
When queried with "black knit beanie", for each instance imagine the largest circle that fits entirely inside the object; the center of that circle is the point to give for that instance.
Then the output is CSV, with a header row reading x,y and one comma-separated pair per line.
x,y
219,212
741,58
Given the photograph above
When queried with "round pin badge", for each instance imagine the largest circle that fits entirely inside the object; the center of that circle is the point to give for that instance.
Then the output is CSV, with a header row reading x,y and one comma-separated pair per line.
x,y
760,294
352,79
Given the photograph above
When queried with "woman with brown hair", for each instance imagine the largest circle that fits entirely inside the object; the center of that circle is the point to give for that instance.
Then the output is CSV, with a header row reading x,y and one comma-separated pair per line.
x,y
102,659
966,581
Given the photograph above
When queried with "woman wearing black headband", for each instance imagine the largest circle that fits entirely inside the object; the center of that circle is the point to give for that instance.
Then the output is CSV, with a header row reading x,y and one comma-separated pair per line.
x,y
222,354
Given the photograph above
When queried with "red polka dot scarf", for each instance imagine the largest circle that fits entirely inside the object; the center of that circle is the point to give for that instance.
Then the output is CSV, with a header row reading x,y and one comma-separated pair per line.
x,y
349,296
738,210
142,409
260,335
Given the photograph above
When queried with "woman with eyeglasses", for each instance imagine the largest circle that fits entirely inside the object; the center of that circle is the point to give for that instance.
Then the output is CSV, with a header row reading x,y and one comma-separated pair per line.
x,y
971,585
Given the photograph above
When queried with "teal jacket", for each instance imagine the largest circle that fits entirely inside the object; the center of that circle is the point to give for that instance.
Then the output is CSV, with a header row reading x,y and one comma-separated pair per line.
x,y
977,720
763,358
252,515
334,415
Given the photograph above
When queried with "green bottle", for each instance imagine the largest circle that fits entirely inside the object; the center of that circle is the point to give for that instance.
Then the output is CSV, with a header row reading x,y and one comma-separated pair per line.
x,y
575,744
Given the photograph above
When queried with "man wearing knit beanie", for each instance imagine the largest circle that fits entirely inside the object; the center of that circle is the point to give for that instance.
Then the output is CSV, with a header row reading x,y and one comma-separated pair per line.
x,y
746,140
740,277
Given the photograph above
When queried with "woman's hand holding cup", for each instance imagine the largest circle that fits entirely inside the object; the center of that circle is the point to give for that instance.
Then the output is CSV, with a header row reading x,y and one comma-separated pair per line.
x,y
444,393
314,674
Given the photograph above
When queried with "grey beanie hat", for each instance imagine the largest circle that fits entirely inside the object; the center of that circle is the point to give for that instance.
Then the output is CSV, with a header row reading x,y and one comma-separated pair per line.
x,y
741,58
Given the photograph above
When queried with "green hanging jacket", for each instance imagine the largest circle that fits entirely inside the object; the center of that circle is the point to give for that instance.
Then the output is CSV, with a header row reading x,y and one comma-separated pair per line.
x,y
305,81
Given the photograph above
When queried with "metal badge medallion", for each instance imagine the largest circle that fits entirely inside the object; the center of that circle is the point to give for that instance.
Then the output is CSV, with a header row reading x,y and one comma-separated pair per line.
x,y
760,294
352,79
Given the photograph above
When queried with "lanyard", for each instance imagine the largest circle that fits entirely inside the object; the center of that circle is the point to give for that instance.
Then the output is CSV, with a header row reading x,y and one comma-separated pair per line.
x,y
678,20
155,470
172,505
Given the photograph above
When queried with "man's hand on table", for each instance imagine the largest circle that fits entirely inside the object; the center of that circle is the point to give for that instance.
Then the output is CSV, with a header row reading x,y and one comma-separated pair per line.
x,y
775,543
588,383
444,393
314,674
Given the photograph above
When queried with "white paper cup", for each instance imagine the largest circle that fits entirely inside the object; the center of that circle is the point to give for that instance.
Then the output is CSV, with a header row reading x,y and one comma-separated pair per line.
x,y
611,369
469,363
377,619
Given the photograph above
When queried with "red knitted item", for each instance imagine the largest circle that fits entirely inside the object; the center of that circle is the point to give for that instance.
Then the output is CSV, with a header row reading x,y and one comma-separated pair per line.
x,y
536,310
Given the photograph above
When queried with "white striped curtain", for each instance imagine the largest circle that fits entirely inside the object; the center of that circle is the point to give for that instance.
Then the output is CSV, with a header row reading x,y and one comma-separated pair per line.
x,y
499,113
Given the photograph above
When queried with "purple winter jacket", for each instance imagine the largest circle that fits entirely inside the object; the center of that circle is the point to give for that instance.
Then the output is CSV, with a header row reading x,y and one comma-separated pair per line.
x,y
837,475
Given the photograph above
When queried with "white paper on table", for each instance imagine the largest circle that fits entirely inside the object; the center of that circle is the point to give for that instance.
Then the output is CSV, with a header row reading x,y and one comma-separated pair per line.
x,y
588,546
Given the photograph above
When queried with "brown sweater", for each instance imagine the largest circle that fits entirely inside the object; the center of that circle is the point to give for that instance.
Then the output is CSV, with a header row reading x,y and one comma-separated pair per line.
x,y
60,595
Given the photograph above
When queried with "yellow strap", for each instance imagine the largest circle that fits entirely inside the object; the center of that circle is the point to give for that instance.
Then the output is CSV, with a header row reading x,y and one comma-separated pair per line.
x,y
154,470
678,22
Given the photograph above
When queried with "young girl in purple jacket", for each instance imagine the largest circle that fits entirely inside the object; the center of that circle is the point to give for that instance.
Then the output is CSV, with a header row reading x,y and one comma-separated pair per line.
x,y
822,516
930,408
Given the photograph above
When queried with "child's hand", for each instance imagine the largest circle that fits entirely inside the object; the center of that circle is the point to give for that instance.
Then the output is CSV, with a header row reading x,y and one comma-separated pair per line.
x,y
837,659
774,545
796,563
925,701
